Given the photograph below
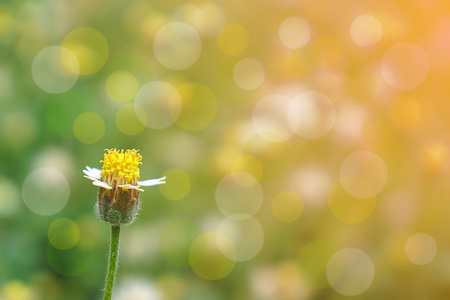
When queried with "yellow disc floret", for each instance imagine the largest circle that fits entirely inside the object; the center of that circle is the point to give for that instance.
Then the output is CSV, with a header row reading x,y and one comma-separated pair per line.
x,y
121,167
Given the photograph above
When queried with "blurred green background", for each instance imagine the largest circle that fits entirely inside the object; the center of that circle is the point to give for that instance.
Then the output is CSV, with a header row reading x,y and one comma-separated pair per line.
x,y
305,145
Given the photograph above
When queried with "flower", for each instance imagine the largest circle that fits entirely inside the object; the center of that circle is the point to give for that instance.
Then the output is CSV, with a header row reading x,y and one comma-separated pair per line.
x,y
118,197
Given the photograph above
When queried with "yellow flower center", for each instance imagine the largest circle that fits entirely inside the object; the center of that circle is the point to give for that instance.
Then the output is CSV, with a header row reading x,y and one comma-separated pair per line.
x,y
122,167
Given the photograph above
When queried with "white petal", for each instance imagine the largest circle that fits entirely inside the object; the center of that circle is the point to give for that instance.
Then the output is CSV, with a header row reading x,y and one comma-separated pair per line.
x,y
92,172
131,187
96,173
91,178
102,184
151,182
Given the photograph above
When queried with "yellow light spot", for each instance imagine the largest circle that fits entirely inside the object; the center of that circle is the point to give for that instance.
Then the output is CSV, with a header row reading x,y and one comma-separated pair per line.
x,y
63,233
233,39
131,119
347,208
121,86
121,166
287,206
90,48
6,21
421,248
435,157
366,30
248,164
89,128
404,112
16,290
405,66
199,107
207,259
178,186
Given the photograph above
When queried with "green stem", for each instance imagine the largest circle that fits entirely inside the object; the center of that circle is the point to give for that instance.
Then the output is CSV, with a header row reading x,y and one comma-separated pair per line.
x,y
113,261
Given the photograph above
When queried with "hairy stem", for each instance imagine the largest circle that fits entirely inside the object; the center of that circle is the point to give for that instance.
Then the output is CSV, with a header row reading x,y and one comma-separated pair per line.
x,y
113,261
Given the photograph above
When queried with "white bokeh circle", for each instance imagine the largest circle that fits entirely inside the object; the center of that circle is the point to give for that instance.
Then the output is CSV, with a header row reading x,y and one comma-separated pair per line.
x,y
239,193
177,45
273,118
363,174
245,232
45,191
315,112
248,74
161,102
50,72
350,271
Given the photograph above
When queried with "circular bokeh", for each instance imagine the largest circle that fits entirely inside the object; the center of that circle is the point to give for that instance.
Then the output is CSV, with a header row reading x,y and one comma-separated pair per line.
x,y
363,174
207,259
420,248
366,30
89,128
233,39
178,184
312,114
273,118
239,193
350,271
347,208
245,232
161,103
50,72
405,66
294,32
90,49
177,45
45,191
121,86
63,233
248,164
248,74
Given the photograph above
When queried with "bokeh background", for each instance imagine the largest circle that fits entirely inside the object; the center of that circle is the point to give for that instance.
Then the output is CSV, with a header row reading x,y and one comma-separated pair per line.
x,y
305,145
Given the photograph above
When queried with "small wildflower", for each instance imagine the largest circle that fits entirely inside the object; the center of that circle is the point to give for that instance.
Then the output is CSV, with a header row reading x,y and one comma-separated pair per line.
x,y
118,197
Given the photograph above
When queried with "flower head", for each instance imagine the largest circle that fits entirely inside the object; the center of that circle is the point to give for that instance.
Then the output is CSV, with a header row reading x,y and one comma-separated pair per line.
x,y
118,197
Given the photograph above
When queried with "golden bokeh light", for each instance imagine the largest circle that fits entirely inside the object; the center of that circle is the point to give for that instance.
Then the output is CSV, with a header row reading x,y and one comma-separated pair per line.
x,y
121,86
89,47
89,128
63,233
179,185
248,164
405,66
366,30
347,208
420,248
233,39
294,32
